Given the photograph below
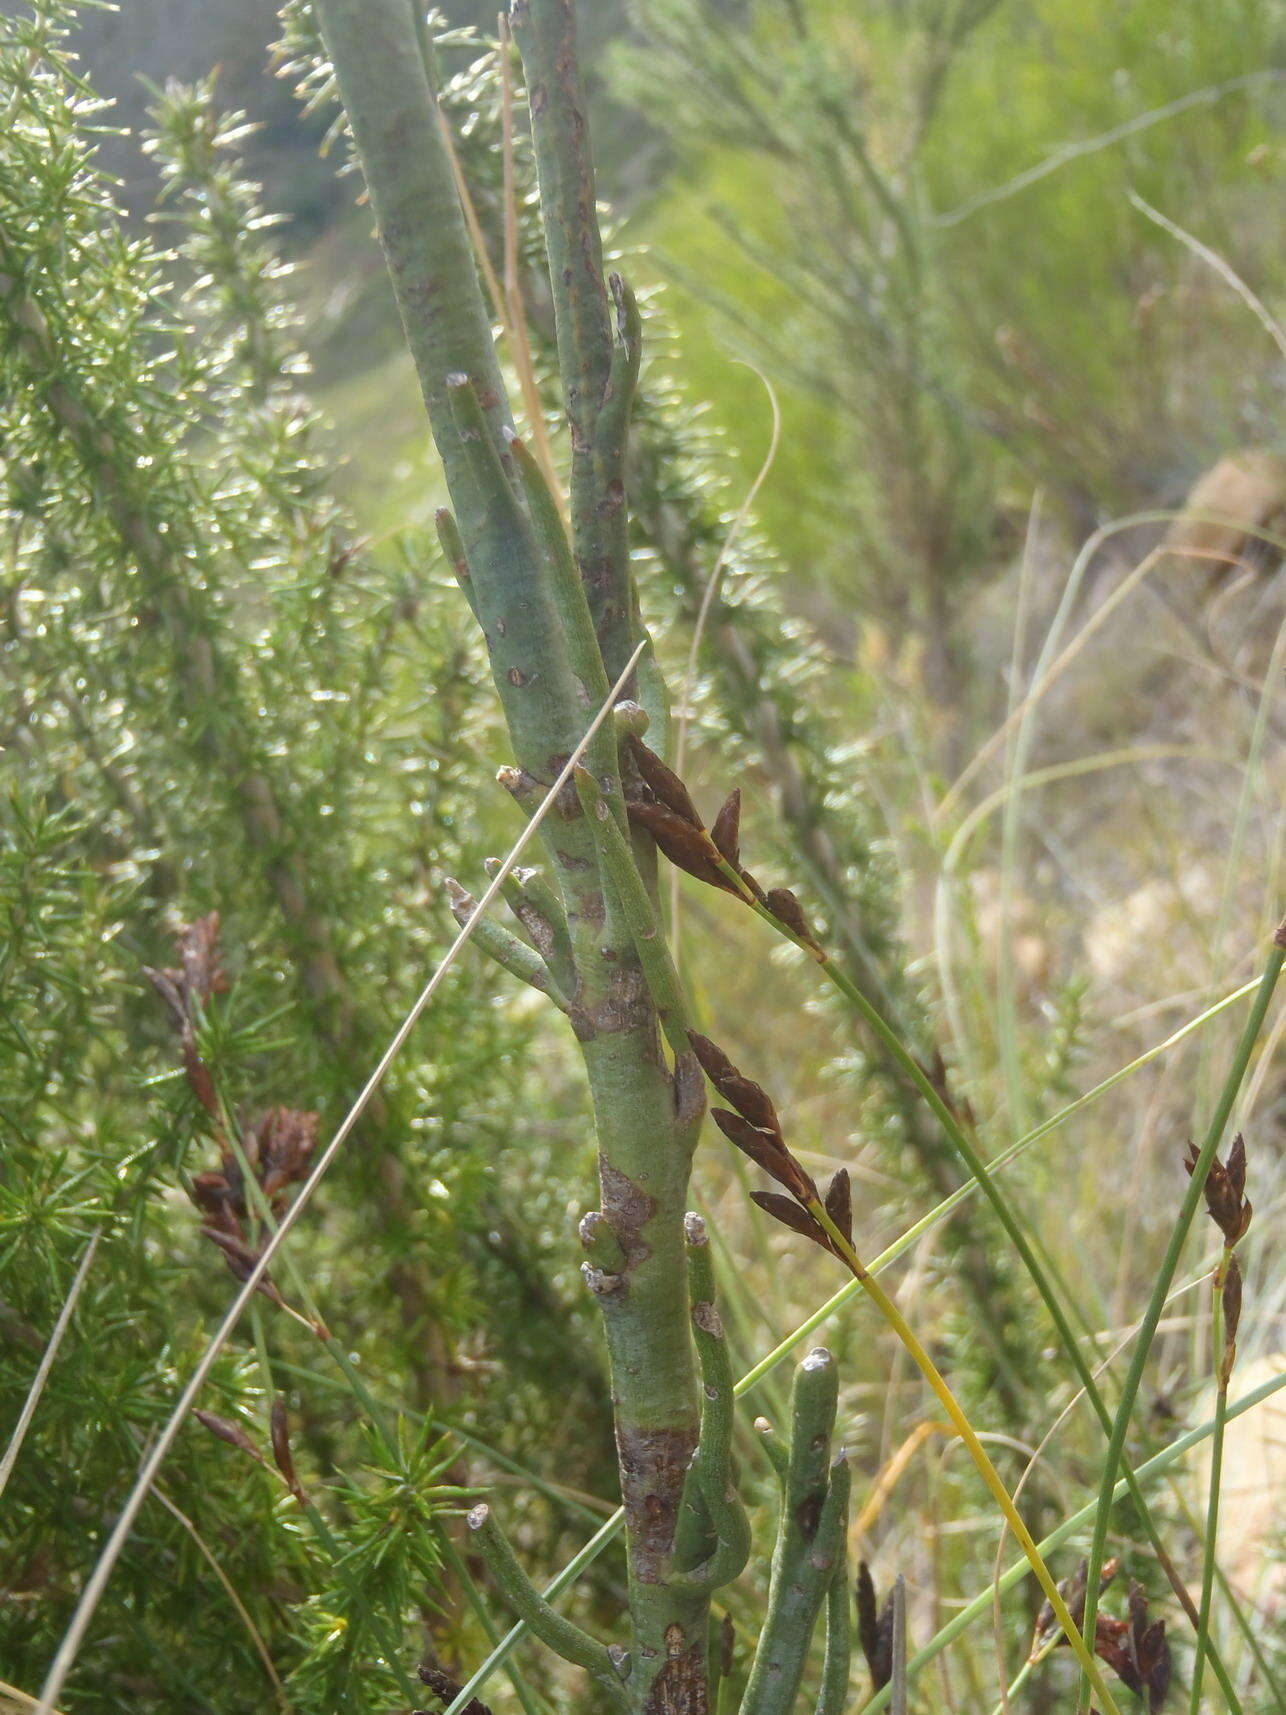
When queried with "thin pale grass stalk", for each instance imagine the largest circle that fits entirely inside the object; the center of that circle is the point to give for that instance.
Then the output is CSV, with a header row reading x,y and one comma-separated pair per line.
x,y
1237,838
838,1300
980,1605
20,1700
1038,685
684,720
1169,1265
506,305
973,1445
1226,272
230,1591
1210,1544
1017,748
1046,678
384,1637
1151,1135
1038,1272
46,1364
1176,1584
1210,1540
1267,1060
1047,669
1017,1682
1167,1003
1248,1632
378,1420
485,266
95,1585
1214,612
888,1477
996,1164
1006,991
921,1259
1066,153
356,1387
944,915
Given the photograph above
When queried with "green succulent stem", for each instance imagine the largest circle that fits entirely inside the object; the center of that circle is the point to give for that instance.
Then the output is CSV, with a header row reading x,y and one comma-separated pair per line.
x,y
505,949
712,1513
560,1634
597,386
542,914
838,1661
810,1536
645,929
647,1115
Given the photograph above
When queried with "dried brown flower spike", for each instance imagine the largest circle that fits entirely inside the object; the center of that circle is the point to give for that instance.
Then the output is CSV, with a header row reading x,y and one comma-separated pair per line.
x,y
874,1628
1072,1591
1230,1209
1137,1649
662,804
447,1689
754,1127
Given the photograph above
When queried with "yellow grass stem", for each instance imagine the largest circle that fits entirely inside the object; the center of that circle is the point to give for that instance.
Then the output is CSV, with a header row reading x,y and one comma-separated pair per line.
x,y
973,1446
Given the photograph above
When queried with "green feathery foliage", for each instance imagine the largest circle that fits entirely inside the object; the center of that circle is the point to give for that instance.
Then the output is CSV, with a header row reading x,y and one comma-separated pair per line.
x,y
217,701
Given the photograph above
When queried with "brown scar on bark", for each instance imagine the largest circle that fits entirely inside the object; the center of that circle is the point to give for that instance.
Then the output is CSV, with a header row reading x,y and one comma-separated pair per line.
x,y
654,1464
628,1210
680,1688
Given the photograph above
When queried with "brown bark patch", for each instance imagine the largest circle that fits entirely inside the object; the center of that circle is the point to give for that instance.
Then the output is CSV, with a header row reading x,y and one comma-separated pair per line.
x,y
653,1465
681,1687
629,1209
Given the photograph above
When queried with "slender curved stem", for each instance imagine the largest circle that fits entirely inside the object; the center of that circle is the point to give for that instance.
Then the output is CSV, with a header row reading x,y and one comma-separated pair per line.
x,y
980,1605
1210,1546
809,1546
985,1180
552,1628
711,1504
973,1446
1170,1262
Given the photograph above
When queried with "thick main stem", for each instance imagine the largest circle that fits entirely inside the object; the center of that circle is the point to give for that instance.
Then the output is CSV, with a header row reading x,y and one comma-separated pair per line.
x,y
647,1128
646,1115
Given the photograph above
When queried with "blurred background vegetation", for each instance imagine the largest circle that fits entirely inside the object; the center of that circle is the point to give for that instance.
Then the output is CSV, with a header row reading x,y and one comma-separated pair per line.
x,y
1007,715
